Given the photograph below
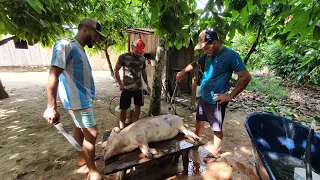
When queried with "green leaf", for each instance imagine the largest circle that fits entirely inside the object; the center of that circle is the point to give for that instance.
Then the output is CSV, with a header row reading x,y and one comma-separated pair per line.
x,y
306,2
178,45
154,14
225,14
232,31
244,14
35,6
56,28
273,111
316,33
234,13
44,23
239,28
187,40
199,11
266,1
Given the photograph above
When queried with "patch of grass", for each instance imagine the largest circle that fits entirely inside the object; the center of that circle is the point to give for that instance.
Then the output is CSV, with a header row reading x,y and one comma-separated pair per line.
x,y
268,85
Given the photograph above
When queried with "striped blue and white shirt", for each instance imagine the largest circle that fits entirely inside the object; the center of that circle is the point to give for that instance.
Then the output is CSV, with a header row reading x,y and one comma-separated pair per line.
x,y
76,85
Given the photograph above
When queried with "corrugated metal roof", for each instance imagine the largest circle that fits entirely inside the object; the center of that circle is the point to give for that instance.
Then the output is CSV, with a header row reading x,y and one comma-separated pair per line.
x,y
140,30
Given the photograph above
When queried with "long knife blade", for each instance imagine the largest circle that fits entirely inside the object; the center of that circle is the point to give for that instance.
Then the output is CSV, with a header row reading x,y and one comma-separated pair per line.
x,y
66,134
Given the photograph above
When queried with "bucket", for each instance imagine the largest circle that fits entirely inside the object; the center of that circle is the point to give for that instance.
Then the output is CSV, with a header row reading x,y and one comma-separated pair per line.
x,y
129,117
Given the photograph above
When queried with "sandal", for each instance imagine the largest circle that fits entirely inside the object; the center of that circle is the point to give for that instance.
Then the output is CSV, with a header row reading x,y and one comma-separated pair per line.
x,y
210,158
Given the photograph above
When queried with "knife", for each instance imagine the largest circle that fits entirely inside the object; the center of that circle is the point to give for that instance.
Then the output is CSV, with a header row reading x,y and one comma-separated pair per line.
x,y
66,134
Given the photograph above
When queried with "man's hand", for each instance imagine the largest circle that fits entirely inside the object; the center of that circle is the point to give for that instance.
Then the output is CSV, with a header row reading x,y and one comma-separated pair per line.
x,y
222,98
179,76
121,87
149,90
51,115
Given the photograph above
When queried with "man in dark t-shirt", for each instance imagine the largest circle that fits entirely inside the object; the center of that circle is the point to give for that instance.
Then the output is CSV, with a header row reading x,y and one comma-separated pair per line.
x,y
133,64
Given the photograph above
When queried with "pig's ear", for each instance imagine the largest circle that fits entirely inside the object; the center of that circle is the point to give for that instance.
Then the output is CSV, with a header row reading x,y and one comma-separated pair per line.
x,y
116,129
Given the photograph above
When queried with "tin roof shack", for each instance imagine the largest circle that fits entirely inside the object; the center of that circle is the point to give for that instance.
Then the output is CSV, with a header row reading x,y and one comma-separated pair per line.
x,y
175,60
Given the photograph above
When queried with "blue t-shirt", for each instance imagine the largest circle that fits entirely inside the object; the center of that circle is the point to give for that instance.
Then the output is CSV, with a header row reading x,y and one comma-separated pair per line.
x,y
217,73
76,85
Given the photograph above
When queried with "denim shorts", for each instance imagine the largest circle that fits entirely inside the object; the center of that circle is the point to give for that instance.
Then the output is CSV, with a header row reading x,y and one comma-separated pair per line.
x,y
84,119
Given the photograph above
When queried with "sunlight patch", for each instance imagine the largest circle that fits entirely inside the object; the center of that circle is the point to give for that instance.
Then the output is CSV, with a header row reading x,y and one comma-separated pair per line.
x,y
13,137
14,156
14,168
235,121
11,127
17,100
21,130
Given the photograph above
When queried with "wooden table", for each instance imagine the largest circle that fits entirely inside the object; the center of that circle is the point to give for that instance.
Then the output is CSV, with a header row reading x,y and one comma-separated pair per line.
x,y
176,147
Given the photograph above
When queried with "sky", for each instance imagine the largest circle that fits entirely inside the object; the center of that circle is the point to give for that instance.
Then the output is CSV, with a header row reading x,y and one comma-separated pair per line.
x,y
201,4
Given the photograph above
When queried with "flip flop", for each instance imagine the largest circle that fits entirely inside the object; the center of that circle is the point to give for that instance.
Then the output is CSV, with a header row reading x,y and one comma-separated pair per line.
x,y
98,156
210,158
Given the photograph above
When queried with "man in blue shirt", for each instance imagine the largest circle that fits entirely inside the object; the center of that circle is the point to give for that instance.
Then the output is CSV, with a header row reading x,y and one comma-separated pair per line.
x,y
218,64
71,75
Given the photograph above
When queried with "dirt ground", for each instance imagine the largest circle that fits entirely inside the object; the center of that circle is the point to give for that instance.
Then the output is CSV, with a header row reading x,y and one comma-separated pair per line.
x,y
30,148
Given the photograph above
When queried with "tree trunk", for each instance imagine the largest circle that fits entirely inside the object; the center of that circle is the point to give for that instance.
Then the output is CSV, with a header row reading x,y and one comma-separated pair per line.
x,y
109,63
254,45
155,104
3,93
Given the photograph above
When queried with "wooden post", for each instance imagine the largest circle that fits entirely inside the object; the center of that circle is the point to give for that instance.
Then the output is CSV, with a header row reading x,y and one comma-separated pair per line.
x,y
194,89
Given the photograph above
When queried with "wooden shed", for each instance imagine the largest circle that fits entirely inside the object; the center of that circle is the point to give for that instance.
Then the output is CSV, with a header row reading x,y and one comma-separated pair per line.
x,y
175,60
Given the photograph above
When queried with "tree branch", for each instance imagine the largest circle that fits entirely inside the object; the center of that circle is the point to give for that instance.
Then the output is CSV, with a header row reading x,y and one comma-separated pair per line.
x,y
4,41
254,45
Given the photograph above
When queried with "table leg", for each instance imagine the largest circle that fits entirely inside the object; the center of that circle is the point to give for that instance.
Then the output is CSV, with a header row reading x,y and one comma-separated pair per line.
x,y
185,160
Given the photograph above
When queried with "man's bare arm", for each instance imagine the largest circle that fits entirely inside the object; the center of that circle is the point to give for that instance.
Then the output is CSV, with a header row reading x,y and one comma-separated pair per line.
x,y
52,87
117,75
244,79
189,68
144,76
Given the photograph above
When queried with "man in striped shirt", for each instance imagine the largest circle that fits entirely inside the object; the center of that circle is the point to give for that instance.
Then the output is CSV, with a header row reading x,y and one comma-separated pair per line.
x,y
71,75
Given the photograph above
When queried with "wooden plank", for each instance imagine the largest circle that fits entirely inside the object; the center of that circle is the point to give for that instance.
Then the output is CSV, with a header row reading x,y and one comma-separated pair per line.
x,y
172,147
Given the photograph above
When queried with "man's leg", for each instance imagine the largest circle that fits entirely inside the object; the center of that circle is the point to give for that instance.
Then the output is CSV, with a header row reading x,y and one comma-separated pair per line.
x,y
201,117
216,113
125,102
123,116
199,127
78,136
138,102
90,137
217,141
137,110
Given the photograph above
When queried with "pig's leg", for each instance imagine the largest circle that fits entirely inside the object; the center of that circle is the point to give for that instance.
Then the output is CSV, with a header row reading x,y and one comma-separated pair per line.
x,y
190,135
144,147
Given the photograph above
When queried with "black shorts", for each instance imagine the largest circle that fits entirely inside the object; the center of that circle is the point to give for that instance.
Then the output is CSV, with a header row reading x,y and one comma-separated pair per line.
x,y
126,96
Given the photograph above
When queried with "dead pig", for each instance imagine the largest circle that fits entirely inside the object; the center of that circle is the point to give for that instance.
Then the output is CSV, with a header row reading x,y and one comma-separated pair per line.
x,y
144,131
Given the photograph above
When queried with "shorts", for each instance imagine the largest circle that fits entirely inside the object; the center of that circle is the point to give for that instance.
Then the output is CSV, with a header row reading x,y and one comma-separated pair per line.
x,y
212,113
126,96
84,119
